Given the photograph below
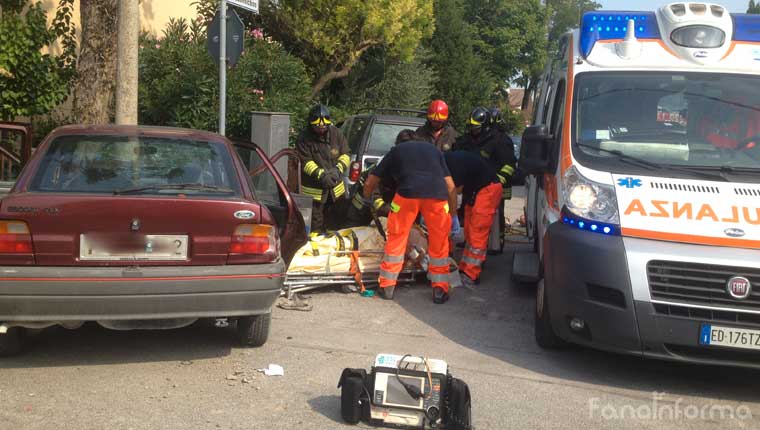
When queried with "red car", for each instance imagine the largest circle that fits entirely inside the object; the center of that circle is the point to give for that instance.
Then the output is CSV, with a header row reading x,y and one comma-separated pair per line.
x,y
144,227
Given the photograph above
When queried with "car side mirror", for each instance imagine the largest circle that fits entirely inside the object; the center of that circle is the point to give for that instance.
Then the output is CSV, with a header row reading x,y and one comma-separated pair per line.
x,y
534,151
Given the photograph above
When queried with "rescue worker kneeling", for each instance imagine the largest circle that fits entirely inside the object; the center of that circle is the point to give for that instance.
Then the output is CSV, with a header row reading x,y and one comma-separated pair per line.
x,y
424,185
481,197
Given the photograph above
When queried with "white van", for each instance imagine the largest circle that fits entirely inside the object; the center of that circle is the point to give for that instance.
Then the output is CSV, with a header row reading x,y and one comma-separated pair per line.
x,y
644,188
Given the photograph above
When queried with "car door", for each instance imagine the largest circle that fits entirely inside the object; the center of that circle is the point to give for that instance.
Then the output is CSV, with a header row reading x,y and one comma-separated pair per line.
x,y
270,190
15,151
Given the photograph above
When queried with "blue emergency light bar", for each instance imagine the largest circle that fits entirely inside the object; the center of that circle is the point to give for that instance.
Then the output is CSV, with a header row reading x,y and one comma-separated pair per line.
x,y
746,27
613,25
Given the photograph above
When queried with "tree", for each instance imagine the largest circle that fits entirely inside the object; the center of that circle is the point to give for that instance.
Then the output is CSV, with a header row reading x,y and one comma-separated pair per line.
x,y
463,78
93,93
753,8
33,83
331,36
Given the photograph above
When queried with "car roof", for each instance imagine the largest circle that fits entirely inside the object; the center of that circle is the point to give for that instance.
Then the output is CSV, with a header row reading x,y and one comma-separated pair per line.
x,y
137,130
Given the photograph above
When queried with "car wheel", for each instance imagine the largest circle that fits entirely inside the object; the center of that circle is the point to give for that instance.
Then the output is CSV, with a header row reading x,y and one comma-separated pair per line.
x,y
350,399
544,332
254,330
11,342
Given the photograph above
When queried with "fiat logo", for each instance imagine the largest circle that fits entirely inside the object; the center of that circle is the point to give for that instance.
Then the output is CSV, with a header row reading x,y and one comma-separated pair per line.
x,y
739,287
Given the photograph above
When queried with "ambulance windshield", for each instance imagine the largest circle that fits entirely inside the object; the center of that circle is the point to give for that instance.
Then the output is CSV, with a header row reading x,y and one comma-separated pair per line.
x,y
696,120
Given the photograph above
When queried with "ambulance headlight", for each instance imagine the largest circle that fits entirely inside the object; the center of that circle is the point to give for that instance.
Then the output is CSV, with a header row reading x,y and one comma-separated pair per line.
x,y
588,199
698,36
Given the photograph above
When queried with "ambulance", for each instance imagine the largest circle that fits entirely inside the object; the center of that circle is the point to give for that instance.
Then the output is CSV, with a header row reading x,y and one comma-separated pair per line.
x,y
643,200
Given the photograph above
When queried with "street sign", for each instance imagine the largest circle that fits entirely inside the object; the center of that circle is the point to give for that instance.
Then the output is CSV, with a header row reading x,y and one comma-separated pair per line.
x,y
235,37
249,5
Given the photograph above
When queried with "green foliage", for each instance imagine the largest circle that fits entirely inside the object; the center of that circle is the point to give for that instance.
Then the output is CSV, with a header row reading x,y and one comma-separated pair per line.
x,y
332,35
753,8
33,83
179,81
463,78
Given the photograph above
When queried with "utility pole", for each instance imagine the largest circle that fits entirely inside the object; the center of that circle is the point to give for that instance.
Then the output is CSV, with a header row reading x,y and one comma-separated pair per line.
x,y
127,66
222,66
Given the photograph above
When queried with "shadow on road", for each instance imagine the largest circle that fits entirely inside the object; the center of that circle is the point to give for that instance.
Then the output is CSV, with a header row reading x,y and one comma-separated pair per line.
x,y
496,319
94,345
328,406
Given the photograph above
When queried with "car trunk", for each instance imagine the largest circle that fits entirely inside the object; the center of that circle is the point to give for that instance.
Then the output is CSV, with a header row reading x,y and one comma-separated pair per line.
x,y
104,230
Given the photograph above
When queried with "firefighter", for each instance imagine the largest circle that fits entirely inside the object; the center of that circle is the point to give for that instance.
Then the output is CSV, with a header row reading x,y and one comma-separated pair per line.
x,y
481,192
437,129
380,201
424,186
485,138
324,156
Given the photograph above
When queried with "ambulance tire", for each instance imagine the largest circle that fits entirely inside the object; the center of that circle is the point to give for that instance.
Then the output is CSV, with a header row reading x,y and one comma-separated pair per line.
x,y
254,330
460,405
542,327
11,343
350,399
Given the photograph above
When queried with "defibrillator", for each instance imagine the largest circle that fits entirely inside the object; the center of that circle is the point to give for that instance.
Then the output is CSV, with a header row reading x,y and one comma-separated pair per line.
x,y
405,391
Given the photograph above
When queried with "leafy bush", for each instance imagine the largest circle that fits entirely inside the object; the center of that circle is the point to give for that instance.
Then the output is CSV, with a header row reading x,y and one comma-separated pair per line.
x,y
179,81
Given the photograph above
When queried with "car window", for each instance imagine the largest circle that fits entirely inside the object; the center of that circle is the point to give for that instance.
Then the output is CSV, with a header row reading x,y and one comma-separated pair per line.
x,y
262,181
356,133
108,164
383,136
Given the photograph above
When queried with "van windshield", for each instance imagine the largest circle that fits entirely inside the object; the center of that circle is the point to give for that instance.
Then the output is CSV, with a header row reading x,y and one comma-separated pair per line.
x,y
136,165
702,121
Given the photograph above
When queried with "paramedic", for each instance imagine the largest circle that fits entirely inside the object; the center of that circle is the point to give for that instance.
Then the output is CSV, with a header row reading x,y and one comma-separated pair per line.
x,y
437,129
486,139
359,212
480,187
324,156
424,185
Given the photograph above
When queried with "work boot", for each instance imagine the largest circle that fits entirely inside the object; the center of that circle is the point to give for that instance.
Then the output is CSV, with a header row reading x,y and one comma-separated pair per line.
x,y
439,296
469,282
387,292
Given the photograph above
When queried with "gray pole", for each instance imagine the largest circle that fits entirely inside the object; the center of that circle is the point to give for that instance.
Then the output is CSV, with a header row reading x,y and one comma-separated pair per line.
x,y
222,66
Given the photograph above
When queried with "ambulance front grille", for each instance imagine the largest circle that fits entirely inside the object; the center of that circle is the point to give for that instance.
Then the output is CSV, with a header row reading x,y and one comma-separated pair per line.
x,y
700,284
704,189
747,192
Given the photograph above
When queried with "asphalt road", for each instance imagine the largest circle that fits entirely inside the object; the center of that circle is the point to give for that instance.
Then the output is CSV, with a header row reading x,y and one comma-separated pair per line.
x,y
193,378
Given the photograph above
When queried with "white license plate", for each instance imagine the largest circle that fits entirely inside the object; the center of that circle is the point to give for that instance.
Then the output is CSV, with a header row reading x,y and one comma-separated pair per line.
x,y
149,247
732,337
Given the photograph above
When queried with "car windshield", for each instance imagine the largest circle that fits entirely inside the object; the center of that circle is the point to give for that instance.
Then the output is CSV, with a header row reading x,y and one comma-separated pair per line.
x,y
383,136
695,120
136,165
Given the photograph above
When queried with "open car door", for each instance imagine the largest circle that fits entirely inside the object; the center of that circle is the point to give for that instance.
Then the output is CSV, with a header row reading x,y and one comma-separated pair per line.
x,y
15,151
270,190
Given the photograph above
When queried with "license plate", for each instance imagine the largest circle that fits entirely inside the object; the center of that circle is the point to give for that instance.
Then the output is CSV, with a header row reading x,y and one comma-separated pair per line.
x,y
133,247
732,337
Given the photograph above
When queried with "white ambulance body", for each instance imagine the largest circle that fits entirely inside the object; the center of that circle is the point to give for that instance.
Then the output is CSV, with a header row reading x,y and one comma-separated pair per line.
x,y
644,194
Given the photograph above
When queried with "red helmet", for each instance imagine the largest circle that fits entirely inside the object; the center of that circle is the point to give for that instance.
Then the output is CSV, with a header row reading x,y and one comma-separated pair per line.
x,y
438,111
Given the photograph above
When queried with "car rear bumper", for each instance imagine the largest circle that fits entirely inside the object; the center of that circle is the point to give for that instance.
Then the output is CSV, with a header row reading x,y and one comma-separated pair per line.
x,y
117,293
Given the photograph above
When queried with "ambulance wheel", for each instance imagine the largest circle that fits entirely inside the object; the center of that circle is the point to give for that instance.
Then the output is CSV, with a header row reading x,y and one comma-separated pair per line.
x,y
544,332
350,399
11,342
254,330
460,406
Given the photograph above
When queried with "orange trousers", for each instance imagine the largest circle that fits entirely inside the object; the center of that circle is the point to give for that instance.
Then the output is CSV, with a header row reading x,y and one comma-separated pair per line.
x,y
438,222
477,225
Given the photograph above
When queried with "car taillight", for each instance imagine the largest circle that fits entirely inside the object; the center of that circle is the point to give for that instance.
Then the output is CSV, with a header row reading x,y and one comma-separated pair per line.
x,y
253,243
355,171
15,238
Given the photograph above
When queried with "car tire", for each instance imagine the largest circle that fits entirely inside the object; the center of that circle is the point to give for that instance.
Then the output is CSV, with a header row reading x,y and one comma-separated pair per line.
x,y
11,342
546,338
254,330
350,399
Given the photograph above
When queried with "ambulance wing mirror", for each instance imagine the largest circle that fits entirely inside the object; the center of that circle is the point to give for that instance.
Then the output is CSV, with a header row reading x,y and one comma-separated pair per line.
x,y
534,150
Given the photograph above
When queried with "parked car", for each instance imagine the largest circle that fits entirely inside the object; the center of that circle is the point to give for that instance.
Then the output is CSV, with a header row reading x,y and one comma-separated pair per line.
x,y
144,227
370,136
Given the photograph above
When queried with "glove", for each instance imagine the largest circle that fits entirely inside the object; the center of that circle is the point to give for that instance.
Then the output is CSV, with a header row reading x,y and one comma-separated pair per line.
x,y
456,228
506,193
328,180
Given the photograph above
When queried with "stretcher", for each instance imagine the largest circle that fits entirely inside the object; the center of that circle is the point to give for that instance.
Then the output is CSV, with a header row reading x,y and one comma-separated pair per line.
x,y
350,257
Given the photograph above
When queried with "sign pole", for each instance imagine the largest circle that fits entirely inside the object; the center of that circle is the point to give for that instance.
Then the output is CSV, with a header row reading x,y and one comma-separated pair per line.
x,y
222,66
